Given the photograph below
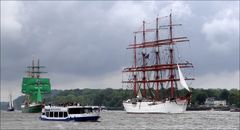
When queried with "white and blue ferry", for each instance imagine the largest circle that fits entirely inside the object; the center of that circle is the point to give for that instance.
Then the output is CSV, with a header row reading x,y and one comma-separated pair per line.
x,y
68,113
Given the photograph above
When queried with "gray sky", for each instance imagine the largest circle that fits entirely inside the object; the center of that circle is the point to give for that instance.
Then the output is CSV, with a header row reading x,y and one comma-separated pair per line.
x,y
83,44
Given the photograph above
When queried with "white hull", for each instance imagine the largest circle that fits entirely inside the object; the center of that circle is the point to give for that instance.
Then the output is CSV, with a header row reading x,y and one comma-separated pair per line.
x,y
158,107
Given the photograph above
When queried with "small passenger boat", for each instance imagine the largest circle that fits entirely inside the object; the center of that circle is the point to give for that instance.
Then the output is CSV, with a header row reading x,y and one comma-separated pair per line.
x,y
68,113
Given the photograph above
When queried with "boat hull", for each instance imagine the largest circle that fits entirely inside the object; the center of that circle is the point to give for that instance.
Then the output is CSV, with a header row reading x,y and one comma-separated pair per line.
x,y
90,118
235,110
85,117
10,109
57,119
32,109
156,107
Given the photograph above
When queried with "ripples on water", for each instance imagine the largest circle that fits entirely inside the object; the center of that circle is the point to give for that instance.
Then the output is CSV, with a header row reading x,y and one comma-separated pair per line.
x,y
121,120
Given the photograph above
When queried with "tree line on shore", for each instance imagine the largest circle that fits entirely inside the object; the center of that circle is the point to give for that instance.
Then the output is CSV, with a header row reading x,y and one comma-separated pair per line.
x,y
112,98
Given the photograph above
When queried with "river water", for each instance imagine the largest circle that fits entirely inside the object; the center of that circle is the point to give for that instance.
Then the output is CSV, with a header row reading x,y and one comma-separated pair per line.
x,y
121,120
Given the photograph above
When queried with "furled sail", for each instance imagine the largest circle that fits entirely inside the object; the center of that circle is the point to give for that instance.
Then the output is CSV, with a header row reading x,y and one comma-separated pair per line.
x,y
182,80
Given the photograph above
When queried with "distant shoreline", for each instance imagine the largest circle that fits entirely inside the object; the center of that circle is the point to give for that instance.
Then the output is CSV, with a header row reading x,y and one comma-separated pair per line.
x,y
112,98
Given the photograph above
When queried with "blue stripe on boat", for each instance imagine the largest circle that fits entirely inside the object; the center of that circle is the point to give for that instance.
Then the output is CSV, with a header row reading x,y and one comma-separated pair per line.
x,y
44,119
92,118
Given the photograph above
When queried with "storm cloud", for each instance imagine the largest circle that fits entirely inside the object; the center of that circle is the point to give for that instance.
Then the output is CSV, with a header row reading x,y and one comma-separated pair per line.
x,y
83,44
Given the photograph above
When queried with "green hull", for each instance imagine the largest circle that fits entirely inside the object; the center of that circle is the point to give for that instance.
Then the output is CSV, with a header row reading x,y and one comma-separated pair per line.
x,y
32,109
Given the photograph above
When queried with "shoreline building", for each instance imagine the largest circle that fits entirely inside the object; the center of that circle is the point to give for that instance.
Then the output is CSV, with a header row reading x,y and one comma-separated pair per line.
x,y
213,102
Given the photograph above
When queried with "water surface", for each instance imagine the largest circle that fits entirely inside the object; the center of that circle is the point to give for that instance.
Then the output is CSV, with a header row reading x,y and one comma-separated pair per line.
x,y
121,120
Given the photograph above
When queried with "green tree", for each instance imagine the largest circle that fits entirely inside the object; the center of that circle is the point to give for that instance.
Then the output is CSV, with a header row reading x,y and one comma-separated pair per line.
x,y
201,97
213,92
234,97
224,94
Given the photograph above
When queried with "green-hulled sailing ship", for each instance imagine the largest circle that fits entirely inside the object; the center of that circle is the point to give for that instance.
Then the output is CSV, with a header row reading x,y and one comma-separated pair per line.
x,y
33,86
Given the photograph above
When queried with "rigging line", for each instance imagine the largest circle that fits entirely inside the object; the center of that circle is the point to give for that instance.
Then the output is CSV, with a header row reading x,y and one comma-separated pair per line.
x,y
139,86
177,92
178,54
190,58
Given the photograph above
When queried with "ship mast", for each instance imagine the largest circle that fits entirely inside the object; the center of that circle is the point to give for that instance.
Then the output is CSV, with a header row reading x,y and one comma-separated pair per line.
x,y
157,62
171,57
34,70
144,61
135,65
38,69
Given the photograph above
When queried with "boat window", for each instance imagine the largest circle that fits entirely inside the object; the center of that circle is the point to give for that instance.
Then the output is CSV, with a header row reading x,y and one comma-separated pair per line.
x,y
96,110
51,114
55,114
75,110
65,114
88,110
82,110
43,113
60,114
47,114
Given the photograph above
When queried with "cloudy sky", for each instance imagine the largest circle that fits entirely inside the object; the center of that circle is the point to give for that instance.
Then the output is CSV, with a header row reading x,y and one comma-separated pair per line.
x,y
83,44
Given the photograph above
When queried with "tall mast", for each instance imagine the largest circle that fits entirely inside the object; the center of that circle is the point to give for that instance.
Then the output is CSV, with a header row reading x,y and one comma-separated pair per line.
x,y
135,65
38,69
143,59
157,62
171,57
39,98
32,73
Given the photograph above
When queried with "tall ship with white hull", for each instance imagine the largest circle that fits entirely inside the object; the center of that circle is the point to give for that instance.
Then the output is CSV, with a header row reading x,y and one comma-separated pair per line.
x,y
156,74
